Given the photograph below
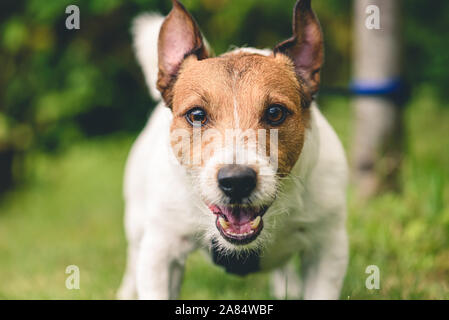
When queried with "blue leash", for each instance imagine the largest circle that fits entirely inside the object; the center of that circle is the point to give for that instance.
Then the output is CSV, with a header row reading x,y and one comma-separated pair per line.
x,y
374,88
393,88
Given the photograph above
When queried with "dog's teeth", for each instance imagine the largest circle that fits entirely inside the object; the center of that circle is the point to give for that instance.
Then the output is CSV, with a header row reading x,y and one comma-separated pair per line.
x,y
244,234
223,223
255,223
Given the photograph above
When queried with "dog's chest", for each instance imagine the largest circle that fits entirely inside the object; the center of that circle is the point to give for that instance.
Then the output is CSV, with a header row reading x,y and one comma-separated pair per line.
x,y
239,264
288,238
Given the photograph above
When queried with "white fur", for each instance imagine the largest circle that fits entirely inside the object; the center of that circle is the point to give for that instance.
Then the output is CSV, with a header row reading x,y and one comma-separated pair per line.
x,y
145,31
166,218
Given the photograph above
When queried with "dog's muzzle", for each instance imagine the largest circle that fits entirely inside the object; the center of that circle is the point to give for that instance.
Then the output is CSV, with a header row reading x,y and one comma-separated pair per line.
x,y
237,222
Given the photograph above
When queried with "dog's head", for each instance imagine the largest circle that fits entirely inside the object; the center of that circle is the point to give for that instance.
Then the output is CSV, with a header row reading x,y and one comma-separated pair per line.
x,y
239,119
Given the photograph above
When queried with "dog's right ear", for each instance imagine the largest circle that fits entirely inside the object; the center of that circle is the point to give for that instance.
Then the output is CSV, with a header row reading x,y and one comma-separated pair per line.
x,y
305,47
179,37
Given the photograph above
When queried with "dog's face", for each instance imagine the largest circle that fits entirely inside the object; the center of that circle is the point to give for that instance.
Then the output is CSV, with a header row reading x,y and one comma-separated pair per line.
x,y
239,119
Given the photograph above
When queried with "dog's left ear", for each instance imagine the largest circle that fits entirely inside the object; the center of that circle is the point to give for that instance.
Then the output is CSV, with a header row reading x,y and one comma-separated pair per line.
x,y
179,37
305,47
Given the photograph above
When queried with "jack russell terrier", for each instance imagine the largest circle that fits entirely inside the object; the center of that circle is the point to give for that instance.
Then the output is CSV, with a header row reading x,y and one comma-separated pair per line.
x,y
236,159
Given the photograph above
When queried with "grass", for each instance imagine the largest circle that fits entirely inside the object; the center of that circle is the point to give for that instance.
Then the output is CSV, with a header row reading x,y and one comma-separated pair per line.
x,y
70,213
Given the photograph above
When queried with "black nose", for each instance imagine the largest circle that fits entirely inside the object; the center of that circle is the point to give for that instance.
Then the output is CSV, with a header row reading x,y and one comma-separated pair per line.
x,y
237,181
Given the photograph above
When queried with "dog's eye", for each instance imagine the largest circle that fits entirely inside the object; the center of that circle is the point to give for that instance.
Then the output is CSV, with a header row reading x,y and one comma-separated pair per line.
x,y
196,116
275,114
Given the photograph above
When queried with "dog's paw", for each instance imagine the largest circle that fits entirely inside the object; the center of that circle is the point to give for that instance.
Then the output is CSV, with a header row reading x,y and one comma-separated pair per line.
x,y
285,283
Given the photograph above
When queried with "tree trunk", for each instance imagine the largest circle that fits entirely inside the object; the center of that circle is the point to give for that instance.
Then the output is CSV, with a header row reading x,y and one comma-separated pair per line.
x,y
378,128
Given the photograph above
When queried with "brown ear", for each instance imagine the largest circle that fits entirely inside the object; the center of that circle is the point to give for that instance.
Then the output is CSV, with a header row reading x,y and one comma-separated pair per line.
x,y
305,48
179,37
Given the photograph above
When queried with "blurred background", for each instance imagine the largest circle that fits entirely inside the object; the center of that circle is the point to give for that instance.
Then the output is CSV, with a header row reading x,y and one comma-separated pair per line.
x,y
73,101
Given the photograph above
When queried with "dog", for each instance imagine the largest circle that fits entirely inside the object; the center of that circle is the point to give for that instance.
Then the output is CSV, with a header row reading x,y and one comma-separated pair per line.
x,y
250,208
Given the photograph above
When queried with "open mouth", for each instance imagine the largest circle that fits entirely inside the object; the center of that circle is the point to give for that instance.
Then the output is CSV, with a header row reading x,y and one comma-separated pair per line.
x,y
239,224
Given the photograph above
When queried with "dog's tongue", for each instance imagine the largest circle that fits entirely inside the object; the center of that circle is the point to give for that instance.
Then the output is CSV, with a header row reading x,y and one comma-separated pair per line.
x,y
236,215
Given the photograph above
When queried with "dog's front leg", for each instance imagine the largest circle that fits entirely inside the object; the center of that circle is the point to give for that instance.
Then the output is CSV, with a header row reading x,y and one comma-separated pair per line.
x,y
160,264
324,265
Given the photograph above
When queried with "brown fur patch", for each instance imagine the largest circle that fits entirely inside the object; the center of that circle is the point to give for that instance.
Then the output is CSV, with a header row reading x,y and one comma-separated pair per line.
x,y
243,84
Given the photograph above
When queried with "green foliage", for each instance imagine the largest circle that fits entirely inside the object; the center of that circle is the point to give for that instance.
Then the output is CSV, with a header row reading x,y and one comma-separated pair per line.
x,y
425,44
